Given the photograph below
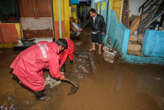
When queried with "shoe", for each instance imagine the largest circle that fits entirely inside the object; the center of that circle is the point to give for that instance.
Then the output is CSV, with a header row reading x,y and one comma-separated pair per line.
x,y
44,98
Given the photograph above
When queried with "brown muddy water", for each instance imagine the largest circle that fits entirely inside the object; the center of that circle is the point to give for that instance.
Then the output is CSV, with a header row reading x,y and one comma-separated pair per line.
x,y
103,86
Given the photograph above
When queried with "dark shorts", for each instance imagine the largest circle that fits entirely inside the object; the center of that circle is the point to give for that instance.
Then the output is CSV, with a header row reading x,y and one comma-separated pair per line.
x,y
97,38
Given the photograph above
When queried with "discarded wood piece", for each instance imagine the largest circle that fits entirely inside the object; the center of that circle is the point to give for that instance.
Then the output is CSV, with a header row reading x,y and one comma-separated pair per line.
x,y
134,25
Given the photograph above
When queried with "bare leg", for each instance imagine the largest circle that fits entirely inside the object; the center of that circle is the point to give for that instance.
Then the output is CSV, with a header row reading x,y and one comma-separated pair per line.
x,y
100,49
93,46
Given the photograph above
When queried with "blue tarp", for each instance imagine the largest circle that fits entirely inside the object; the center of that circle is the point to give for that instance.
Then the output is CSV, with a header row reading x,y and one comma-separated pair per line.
x,y
74,2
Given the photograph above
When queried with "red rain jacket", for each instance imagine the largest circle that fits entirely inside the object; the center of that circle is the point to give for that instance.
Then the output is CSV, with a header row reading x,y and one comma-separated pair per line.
x,y
28,65
69,52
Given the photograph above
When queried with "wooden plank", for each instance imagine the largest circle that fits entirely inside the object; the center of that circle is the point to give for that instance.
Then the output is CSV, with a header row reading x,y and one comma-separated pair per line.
x,y
134,25
27,8
1,35
37,33
43,8
125,13
8,33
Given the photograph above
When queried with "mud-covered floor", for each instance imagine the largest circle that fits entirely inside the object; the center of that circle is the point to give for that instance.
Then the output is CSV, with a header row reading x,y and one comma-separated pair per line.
x,y
103,86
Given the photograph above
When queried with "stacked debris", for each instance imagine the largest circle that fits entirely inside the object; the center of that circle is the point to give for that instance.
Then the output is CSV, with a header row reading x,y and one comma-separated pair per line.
x,y
110,52
109,55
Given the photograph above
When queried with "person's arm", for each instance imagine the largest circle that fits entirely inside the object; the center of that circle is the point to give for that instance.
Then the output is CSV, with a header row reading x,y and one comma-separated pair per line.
x,y
87,23
54,67
64,58
71,53
71,56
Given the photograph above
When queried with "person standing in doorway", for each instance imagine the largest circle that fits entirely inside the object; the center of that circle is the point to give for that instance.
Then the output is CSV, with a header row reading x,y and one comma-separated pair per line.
x,y
98,27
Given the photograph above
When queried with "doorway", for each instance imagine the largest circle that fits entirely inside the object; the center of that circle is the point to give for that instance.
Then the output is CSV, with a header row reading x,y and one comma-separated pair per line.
x,y
36,18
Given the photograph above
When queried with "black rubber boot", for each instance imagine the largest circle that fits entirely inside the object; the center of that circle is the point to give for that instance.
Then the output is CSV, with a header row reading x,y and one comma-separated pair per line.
x,y
41,96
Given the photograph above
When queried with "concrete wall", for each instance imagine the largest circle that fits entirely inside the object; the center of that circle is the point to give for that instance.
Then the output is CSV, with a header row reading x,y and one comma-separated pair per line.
x,y
153,43
134,5
118,33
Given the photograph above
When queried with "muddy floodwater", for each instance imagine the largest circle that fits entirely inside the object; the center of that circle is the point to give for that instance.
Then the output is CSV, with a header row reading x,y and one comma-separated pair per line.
x,y
102,86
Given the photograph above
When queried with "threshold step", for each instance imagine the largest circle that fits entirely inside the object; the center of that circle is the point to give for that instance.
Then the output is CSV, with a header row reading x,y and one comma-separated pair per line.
x,y
140,38
134,47
137,53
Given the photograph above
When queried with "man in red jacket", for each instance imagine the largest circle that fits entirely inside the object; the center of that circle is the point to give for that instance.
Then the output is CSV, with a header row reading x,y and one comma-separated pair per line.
x,y
28,65
69,52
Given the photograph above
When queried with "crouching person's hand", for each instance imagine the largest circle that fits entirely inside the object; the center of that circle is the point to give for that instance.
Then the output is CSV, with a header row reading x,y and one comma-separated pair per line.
x,y
62,77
